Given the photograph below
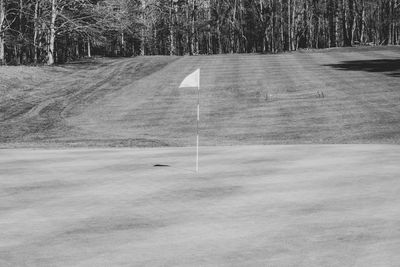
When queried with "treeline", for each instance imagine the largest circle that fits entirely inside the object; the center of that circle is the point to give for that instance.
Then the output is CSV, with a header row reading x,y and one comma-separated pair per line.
x,y
49,31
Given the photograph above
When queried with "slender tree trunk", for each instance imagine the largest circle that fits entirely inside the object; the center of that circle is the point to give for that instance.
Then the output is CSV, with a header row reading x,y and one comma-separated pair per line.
x,y
289,25
18,50
333,22
189,36
52,37
241,40
171,30
232,29
311,25
306,25
35,33
264,37
353,30
2,18
336,31
155,49
89,49
346,23
350,29
194,46
391,22
219,37
209,37
77,52
325,27
143,31
123,44
362,35
294,28
282,32
318,36
272,23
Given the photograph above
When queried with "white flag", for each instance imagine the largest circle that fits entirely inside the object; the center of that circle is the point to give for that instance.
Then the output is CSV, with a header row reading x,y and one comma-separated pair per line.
x,y
192,80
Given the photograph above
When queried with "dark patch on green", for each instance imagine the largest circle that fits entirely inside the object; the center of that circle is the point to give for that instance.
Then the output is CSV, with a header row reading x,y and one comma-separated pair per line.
x,y
39,187
161,165
216,192
390,66
105,225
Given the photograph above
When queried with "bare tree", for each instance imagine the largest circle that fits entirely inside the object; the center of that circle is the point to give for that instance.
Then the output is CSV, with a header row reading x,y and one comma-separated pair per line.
x,y
2,29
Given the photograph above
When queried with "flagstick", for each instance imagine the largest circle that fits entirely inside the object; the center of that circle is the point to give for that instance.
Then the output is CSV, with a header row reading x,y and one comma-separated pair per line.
x,y
193,81
198,119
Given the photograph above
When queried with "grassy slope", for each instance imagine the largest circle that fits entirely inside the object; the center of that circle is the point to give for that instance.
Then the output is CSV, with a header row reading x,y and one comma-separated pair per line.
x,y
135,102
311,205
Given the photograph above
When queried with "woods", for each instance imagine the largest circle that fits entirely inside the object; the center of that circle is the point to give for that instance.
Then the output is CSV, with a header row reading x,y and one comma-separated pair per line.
x,y
57,31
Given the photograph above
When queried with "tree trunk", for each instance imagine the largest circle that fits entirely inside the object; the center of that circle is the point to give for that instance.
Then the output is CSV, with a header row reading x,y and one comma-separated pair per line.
x,y
293,31
188,48
171,30
289,25
232,28
193,39
350,29
391,22
219,37
77,52
282,32
346,30
123,44
310,25
52,37
333,22
35,33
89,49
264,37
272,25
242,41
362,35
305,38
2,18
353,30
336,30
143,31
209,37
18,54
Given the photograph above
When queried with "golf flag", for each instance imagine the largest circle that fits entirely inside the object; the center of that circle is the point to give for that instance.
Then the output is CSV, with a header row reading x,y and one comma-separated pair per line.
x,y
192,80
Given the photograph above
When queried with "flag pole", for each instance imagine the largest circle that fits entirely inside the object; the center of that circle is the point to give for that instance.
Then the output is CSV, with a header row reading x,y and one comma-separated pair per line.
x,y
193,81
198,119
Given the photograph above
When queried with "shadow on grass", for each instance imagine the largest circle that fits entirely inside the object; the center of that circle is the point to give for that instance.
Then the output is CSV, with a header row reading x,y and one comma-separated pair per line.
x,y
390,66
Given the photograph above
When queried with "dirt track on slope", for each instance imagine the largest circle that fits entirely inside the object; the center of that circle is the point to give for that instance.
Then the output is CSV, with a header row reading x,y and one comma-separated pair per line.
x,y
36,106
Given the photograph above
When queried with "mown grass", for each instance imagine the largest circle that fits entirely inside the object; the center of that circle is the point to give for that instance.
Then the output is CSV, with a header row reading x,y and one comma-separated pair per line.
x,y
332,96
301,205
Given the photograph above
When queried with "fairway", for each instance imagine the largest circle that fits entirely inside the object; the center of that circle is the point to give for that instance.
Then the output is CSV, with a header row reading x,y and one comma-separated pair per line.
x,y
245,100
310,205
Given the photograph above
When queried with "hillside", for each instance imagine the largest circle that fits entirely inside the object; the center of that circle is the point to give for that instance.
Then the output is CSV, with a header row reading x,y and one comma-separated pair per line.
x,y
245,99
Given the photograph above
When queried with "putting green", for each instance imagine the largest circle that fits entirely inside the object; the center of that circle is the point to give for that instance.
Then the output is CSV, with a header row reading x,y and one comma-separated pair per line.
x,y
300,205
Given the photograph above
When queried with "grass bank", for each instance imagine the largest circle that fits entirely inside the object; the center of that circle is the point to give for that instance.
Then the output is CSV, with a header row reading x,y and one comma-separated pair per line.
x,y
346,95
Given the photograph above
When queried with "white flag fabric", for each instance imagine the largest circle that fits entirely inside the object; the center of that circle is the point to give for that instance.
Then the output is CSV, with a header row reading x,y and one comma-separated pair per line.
x,y
192,80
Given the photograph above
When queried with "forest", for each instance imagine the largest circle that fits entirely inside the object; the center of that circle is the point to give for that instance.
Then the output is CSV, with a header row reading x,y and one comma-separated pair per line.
x,y
58,31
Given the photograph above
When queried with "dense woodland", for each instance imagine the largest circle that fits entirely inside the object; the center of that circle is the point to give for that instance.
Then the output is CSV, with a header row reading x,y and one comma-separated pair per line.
x,y
56,31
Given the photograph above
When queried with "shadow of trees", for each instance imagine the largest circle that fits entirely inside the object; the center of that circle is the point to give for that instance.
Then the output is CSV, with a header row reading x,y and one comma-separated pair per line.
x,y
390,66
